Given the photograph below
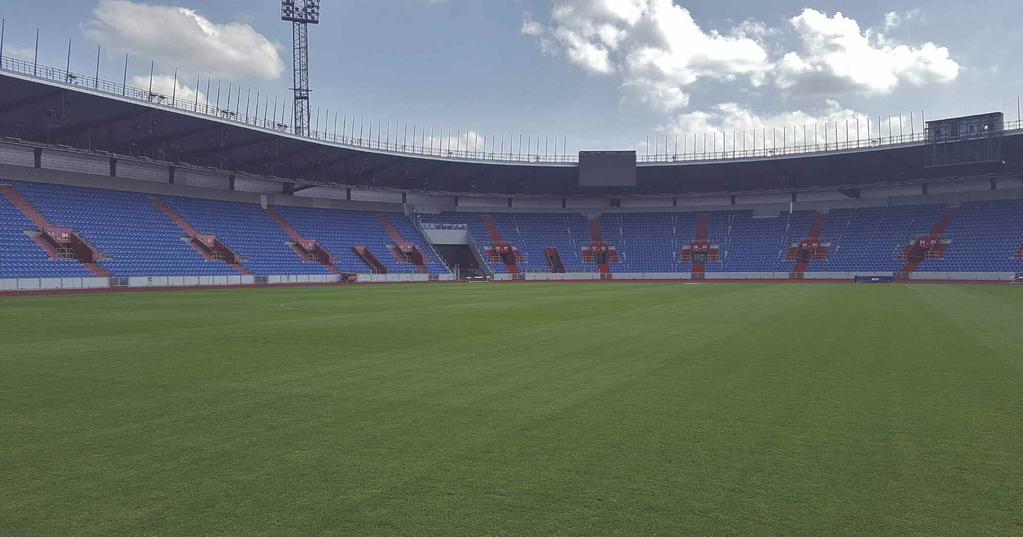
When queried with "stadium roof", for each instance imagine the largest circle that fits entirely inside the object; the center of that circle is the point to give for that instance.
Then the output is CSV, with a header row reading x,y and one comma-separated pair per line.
x,y
46,105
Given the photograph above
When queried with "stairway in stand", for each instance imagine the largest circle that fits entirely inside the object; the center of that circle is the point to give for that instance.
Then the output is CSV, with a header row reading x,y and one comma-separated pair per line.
x,y
370,260
600,251
701,251
554,260
930,246
206,245
57,242
500,251
308,250
403,250
809,249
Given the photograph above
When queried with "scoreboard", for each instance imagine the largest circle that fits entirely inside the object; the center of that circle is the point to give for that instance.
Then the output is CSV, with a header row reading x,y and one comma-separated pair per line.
x,y
964,140
607,168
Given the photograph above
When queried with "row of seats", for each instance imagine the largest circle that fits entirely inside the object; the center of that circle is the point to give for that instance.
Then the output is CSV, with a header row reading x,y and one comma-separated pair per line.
x,y
137,239
531,233
984,237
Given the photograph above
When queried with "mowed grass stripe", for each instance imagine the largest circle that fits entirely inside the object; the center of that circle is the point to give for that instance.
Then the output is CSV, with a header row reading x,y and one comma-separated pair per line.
x,y
514,410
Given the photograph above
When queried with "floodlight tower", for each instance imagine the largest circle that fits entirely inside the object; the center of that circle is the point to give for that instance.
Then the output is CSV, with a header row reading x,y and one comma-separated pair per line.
x,y
301,13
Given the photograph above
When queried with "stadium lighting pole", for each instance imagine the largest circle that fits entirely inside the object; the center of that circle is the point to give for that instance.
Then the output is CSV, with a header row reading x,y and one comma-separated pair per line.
x,y
301,13
67,65
216,107
35,57
95,80
209,81
3,32
124,78
152,68
174,87
266,109
195,108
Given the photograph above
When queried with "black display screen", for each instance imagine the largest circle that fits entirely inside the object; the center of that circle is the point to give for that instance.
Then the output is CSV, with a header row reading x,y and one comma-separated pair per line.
x,y
607,168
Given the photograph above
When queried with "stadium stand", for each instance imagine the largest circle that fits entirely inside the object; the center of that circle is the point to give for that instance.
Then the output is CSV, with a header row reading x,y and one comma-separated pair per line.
x,y
126,234
359,240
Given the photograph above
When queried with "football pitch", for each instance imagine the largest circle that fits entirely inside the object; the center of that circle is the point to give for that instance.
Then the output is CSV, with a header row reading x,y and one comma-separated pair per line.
x,y
514,410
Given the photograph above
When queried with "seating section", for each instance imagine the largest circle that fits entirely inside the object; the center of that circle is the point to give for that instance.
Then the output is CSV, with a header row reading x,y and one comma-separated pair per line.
x,y
985,237
134,236
871,239
649,242
751,243
532,233
137,238
341,231
247,230
21,257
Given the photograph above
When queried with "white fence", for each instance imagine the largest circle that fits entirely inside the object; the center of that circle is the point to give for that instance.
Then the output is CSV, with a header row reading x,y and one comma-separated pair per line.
x,y
52,284
633,276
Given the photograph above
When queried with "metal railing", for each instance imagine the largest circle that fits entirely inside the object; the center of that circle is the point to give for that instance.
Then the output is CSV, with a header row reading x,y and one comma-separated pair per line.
x,y
475,147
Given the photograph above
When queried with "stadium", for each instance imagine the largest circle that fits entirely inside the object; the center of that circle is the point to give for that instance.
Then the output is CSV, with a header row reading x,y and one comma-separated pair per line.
x,y
222,316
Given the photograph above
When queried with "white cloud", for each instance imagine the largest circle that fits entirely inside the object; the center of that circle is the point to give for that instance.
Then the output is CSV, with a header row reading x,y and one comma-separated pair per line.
x,y
786,127
837,57
21,53
165,86
655,46
660,53
892,20
454,141
182,37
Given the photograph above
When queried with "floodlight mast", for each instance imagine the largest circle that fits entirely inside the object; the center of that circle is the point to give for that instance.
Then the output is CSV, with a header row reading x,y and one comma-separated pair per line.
x,y
301,13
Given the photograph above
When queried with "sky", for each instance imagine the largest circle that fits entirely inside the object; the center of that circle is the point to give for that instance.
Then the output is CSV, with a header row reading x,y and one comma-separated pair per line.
x,y
596,74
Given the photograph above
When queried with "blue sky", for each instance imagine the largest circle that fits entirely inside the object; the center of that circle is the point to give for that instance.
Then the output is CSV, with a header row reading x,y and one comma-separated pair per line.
x,y
604,73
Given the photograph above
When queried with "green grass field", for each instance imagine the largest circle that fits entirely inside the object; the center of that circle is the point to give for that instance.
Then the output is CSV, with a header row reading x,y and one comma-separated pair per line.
x,y
514,410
